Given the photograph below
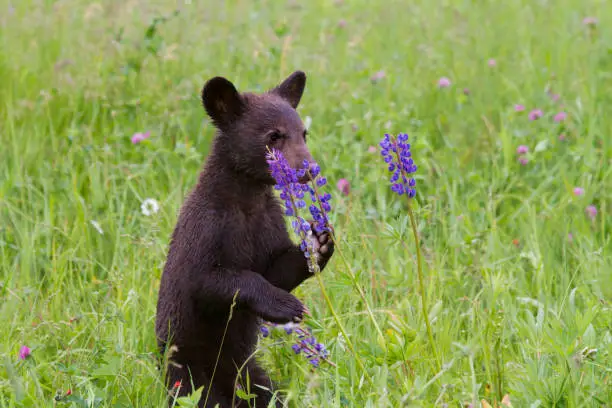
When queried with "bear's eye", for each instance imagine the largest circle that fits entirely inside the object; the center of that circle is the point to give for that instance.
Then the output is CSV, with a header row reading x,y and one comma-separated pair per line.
x,y
275,136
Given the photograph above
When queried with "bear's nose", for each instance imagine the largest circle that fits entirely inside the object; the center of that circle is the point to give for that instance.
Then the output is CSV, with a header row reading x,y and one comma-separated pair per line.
x,y
305,178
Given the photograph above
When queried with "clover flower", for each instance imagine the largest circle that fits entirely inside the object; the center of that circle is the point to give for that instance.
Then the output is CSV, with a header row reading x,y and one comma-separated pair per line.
x,y
139,137
560,117
24,352
522,149
535,114
344,186
149,207
444,82
396,153
591,211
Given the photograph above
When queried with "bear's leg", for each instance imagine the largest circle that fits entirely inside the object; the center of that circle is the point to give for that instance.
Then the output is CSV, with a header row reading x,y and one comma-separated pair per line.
x,y
260,385
181,375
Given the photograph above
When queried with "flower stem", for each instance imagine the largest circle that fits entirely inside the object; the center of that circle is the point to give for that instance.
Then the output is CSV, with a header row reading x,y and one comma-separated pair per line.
x,y
352,275
422,284
317,272
340,326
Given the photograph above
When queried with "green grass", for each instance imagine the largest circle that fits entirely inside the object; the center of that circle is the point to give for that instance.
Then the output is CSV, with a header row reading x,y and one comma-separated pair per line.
x,y
513,302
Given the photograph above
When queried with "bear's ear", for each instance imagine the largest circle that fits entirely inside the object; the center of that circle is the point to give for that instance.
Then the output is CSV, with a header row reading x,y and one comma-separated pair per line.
x,y
292,88
222,101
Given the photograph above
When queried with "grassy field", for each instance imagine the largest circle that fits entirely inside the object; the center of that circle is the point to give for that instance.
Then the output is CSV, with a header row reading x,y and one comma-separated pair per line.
x,y
518,266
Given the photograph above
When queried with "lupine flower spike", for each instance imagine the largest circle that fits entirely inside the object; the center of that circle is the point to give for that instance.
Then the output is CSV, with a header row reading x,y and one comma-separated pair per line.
x,y
396,153
305,343
293,194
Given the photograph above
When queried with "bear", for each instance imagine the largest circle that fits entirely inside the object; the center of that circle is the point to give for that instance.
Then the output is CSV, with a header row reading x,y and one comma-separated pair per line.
x,y
230,250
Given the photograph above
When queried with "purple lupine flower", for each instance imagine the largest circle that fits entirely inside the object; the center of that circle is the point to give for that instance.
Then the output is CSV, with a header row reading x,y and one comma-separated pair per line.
x,y
292,193
305,343
396,153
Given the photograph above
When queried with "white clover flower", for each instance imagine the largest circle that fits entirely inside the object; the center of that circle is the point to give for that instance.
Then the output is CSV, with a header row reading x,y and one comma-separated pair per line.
x,y
149,207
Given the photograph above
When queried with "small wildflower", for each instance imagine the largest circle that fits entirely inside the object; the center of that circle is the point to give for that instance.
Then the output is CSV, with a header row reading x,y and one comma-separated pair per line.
x,y
570,237
296,348
523,160
466,91
578,191
560,117
344,186
307,122
589,21
265,332
535,114
177,384
444,82
555,97
396,153
522,149
492,62
24,352
516,242
69,392
149,207
372,149
591,211
342,23
378,76
519,108
139,137
562,137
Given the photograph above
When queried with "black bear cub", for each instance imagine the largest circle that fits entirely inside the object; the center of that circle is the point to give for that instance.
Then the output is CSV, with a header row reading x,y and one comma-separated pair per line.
x,y
230,241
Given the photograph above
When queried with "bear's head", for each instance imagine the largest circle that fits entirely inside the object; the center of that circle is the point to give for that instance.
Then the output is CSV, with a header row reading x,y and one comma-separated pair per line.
x,y
249,125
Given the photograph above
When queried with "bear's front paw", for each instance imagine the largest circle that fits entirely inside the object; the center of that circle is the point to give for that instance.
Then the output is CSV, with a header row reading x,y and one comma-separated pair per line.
x,y
281,307
323,245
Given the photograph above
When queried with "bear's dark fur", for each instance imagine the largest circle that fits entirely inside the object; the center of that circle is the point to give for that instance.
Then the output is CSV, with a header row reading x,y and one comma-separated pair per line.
x,y
231,238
